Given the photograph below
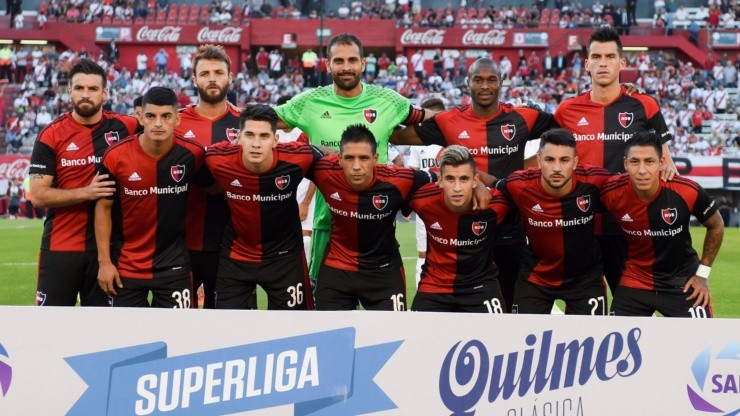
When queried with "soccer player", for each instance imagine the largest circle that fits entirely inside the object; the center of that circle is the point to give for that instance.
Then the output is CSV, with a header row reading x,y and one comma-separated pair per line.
x,y
263,242
424,158
64,179
557,203
663,271
496,135
325,112
459,274
211,121
142,248
362,262
602,120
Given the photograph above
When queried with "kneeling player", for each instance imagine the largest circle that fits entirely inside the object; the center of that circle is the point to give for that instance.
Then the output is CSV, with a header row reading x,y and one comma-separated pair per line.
x,y
263,244
459,274
663,272
557,202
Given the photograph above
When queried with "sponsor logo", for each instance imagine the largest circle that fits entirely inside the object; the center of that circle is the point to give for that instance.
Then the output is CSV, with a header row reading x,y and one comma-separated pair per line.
x,y
335,196
380,201
282,182
583,202
40,298
326,115
436,226
537,208
111,137
463,135
164,34
370,115
669,215
6,371
627,218
715,386
492,37
17,169
72,147
509,131
479,227
177,172
189,135
232,133
226,35
625,119
236,183
134,177
582,122
430,37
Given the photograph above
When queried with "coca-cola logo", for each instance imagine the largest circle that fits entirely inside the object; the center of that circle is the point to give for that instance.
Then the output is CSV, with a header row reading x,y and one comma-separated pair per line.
x,y
163,34
225,35
430,37
14,169
492,37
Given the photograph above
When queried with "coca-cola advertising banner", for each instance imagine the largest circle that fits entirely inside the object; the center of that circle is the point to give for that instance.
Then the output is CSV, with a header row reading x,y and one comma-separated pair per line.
x,y
172,34
472,38
14,166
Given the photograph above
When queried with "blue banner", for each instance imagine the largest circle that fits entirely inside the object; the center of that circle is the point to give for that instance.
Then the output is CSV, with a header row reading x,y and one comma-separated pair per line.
x,y
321,373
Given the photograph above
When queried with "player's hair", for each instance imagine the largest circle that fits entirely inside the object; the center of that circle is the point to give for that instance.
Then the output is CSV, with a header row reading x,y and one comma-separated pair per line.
x,y
455,156
283,99
160,96
345,39
433,103
357,133
138,100
648,138
212,53
558,137
259,112
484,62
605,34
88,67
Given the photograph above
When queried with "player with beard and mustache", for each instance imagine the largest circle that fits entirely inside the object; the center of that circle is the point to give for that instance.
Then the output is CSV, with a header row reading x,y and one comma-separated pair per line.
x,y
210,121
325,112
64,179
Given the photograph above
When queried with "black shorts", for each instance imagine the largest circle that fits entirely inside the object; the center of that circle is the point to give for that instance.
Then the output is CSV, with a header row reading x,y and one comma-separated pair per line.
x,y
487,300
285,281
376,289
508,258
65,274
204,266
587,297
640,302
613,255
167,292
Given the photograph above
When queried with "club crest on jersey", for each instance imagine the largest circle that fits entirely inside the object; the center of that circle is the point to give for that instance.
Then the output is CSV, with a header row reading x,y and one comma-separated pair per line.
x,y
232,134
509,131
380,201
479,227
177,172
583,202
111,137
625,119
282,182
370,115
669,215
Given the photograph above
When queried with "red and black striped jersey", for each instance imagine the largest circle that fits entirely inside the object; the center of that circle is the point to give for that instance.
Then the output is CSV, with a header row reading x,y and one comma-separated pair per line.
x,y
496,143
659,251
560,230
69,151
363,231
207,214
459,255
148,237
264,222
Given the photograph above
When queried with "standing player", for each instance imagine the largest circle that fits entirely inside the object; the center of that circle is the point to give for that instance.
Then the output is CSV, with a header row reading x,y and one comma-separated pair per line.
x,y
211,121
459,274
325,112
362,262
662,271
142,247
64,179
496,135
424,158
263,237
602,120
557,203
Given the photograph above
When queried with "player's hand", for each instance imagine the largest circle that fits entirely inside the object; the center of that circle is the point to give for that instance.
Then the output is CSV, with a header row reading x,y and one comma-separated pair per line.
x,y
99,187
109,279
669,171
481,196
700,291
633,88
302,212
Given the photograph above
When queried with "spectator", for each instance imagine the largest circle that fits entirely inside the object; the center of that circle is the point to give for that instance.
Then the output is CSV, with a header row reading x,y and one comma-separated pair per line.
x,y
43,118
161,60
141,64
112,52
417,62
402,65
371,65
343,11
276,64
383,62
310,60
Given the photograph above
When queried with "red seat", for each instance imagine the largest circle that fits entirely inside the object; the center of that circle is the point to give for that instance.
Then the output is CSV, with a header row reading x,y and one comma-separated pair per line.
x,y
194,13
161,16
182,14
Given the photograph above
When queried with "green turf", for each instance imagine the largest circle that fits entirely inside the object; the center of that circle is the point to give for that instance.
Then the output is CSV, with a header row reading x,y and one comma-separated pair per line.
x,y
19,243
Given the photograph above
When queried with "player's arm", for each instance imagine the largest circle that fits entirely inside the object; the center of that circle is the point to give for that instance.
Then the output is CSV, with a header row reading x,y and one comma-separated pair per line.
x,y
406,136
45,195
487,179
481,195
304,205
712,242
108,277
669,170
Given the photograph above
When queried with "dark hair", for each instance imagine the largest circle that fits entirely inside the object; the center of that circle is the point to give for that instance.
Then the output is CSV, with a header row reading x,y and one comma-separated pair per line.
x,y
605,34
648,138
259,112
433,103
358,133
455,156
138,100
484,61
160,96
212,53
88,67
345,39
283,99
558,137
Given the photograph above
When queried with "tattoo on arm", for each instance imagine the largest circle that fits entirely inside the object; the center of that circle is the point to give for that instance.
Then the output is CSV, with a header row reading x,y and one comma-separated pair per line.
x,y
37,176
